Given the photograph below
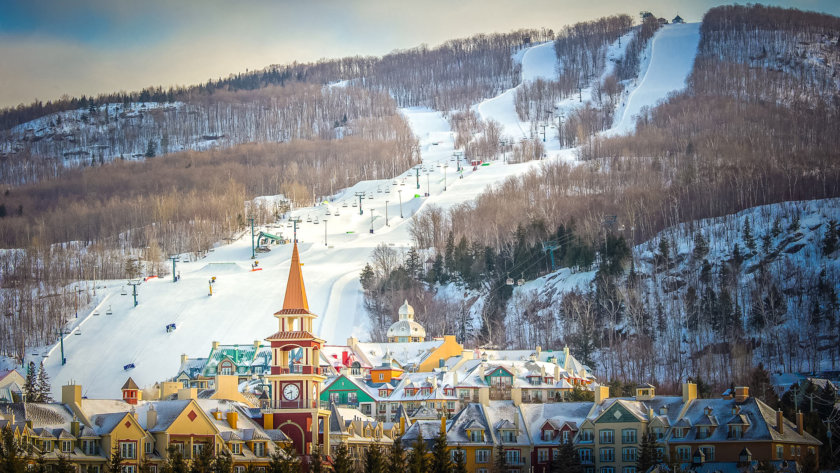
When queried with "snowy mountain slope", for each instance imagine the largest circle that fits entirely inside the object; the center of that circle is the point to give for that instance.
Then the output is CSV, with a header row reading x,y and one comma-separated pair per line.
x,y
239,311
672,49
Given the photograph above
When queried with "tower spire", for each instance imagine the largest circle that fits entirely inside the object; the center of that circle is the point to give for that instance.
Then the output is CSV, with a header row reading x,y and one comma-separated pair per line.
x,y
295,291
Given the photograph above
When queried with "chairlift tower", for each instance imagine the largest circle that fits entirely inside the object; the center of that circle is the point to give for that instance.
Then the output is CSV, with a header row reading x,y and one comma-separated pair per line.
x,y
61,334
175,259
295,222
417,175
360,195
134,283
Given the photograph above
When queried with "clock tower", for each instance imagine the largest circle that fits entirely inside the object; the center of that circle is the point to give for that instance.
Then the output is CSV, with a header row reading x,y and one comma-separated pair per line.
x,y
295,379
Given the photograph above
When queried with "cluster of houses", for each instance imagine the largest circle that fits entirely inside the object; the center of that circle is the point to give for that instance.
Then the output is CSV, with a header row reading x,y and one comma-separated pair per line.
x,y
295,391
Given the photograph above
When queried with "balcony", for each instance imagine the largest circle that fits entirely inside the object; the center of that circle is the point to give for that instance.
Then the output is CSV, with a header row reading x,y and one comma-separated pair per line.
x,y
296,404
500,394
296,369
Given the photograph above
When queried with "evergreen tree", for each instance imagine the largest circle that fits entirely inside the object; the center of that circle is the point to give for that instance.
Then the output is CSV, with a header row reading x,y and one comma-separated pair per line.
x,y
647,453
664,252
701,246
829,245
174,463
316,461
396,457
776,230
151,149
450,253
762,388
460,464
62,465
30,385
500,462
44,390
115,463
12,452
412,263
418,461
374,460
437,274
568,459
342,463
749,239
203,462
367,278
440,457
284,460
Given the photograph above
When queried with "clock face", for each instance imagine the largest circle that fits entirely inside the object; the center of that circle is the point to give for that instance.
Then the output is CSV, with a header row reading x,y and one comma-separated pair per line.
x,y
291,391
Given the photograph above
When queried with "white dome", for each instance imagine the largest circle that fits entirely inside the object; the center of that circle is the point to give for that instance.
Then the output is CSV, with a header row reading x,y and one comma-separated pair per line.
x,y
406,328
406,312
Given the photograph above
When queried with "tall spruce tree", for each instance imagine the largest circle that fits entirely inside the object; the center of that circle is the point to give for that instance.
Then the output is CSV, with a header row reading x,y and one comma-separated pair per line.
x,y
30,385
500,462
115,463
568,459
374,460
440,457
460,464
44,390
647,453
396,456
418,461
342,463
12,452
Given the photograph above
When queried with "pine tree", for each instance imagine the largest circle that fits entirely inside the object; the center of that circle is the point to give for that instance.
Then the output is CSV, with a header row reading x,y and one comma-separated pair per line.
x,y
284,460
44,390
367,278
794,224
418,461
151,149
460,464
829,245
396,457
203,462
412,263
449,253
342,463
500,463
12,452
437,274
374,461
115,463
30,385
647,453
316,461
223,463
749,239
701,246
174,464
776,230
568,459
440,457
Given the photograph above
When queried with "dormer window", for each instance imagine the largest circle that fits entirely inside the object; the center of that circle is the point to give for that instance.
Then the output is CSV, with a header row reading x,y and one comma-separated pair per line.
x,y
508,436
235,448
548,435
476,435
535,381
736,431
703,432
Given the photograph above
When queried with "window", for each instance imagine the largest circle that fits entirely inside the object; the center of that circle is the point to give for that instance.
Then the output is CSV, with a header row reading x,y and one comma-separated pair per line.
x,y
512,457
235,448
197,449
628,469
780,452
607,454
66,446
239,469
482,456
658,433
152,468
227,370
476,435
709,453
366,409
128,450
180,447
352,398
508,436
128,469
660,453
702,432
547,435
48,445
259,449
482,470
628,436
585,455
542,455
684,453
586,435
607,469
450,405
566,436
93,469
679,433
381,407
453,454
606,436
148,447
628,454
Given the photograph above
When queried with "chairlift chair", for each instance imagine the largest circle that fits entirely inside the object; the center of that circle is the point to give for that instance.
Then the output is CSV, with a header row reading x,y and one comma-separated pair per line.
x,y
337,213
123,292
354,204
108,312
315,221
345,205
328,212
78,331
96,313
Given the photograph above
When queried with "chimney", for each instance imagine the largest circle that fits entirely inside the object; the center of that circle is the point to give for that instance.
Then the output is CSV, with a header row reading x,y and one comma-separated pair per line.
x,y
345,358
651,414
151,417
215,345
402,425
780,422
232,418
742,393
256,344
74,427
71,394
443,425
556,373
184,358
601,393
689,392
454,379
800,424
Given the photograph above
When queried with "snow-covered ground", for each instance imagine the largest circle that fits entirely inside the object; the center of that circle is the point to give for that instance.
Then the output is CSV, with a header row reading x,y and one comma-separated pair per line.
x,y
239,311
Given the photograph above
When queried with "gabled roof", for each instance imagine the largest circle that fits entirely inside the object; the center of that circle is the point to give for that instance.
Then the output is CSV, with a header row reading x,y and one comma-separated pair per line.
x,y
295,290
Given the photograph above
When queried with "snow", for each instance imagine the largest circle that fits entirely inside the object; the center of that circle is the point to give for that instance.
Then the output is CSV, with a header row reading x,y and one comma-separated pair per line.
x,y
239,311
671,59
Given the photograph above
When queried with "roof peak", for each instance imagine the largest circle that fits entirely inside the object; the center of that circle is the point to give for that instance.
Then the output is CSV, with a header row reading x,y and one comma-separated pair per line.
x,y
295,290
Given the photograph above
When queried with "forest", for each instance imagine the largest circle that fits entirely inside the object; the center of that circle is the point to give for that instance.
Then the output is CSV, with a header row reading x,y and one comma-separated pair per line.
x,y
755,126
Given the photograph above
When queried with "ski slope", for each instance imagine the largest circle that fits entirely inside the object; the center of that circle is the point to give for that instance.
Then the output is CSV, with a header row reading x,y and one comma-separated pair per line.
x,y
243,301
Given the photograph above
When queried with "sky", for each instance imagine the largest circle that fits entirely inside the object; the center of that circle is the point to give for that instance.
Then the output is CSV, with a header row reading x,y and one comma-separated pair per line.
x,y
49,48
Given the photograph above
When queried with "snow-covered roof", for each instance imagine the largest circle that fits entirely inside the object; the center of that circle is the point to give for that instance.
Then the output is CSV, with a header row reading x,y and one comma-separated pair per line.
x,y
406,354
558,413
